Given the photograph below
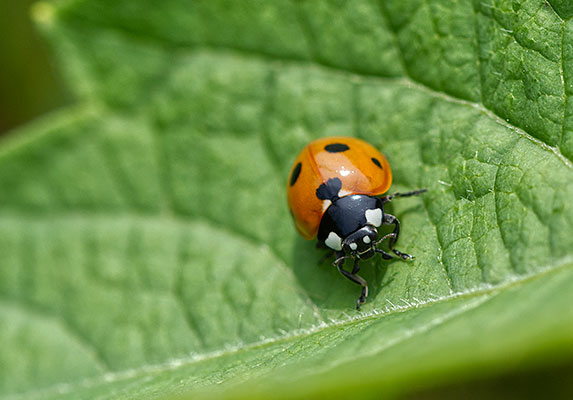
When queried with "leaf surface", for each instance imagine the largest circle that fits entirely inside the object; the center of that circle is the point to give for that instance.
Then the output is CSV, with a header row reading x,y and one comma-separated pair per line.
x,y
147,249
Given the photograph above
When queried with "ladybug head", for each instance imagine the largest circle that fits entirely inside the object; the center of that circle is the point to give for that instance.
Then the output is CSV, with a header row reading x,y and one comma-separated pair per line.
x,y
361,243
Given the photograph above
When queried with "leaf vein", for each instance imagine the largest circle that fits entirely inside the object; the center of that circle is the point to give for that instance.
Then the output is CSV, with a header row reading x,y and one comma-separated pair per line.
x,y
407,80
63,388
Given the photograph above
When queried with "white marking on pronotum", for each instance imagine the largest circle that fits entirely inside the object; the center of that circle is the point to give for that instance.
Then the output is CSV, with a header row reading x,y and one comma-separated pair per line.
x,y
353,246
333,241
342,193
374,216
366,239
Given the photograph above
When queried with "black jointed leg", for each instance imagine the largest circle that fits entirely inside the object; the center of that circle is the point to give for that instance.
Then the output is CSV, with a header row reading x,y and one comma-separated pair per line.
x,y
354,278
356,267
392,220
340,259
385,255
388,198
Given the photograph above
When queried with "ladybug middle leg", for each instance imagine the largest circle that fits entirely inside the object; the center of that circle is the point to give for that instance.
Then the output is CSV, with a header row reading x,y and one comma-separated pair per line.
x,y
353,277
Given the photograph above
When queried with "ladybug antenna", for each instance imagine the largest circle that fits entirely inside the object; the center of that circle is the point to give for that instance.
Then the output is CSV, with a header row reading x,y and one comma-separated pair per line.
x,y
329,189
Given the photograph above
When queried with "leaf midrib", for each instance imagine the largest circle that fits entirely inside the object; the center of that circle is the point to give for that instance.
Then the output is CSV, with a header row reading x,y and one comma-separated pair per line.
x,y
173,364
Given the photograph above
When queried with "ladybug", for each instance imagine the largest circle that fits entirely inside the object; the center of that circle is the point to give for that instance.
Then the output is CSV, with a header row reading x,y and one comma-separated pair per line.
x,y
334,193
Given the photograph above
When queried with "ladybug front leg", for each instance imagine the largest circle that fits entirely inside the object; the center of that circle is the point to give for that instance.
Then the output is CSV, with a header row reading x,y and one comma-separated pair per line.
x,y
392,220
354,278
385,255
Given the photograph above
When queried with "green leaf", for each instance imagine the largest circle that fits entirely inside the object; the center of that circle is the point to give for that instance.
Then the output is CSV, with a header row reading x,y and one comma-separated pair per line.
x,y
146,247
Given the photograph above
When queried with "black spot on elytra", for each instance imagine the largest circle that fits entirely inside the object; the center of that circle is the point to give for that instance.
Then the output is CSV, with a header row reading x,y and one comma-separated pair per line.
x,y
329,189
295,173
377,162
336,147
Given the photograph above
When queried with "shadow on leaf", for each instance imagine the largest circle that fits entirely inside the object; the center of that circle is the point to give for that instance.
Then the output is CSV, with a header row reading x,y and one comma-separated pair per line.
x,y
327,288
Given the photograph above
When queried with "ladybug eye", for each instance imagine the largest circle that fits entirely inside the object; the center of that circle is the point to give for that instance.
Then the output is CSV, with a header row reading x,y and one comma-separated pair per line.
x,y
295,173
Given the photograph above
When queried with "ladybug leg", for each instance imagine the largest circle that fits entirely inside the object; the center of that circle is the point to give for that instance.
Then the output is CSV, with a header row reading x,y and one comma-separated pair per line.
x,y
385,255
356,267
340,258
354,278
388,198
392,220
383,238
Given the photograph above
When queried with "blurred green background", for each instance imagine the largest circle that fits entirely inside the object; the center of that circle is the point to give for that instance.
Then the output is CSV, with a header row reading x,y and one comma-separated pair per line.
x,y
29,83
